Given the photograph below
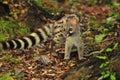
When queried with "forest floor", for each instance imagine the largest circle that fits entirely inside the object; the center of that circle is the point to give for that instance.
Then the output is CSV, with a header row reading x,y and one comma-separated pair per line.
x,y
101,36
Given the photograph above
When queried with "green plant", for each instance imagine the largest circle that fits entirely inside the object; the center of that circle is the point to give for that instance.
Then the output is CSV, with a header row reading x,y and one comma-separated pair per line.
x,y
97,52
115,45
17,76
102,1
46,7
8,57
111,19
99,38
2,37
115,5
113,14
111,49
104,64
81,79
15,60
36,54
101,57
107,75
10,29
6,76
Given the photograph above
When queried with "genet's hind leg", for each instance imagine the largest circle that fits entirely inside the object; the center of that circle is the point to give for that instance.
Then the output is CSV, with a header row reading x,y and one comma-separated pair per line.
x,y
80,49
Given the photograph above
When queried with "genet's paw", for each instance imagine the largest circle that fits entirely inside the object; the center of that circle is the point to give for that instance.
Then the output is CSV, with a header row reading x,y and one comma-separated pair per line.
x,y
82,58
66,58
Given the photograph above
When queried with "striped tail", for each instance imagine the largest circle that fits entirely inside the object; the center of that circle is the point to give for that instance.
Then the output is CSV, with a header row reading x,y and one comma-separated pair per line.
x,y
42,34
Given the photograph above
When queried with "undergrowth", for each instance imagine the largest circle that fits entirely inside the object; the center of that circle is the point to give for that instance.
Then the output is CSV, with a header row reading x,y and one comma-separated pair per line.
x,y
10,29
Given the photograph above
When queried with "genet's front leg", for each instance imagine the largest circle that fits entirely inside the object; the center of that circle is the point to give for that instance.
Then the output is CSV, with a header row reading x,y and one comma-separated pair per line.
x,y
68,47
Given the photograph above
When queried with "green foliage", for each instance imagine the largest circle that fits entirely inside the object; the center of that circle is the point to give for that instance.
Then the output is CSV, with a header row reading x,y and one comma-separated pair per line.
x,y
99,38
113,76
15,60
113,14
105,29
106,1
95,1
115,45
8,57
81,79
6,76
12,13
107,75
96,25
96,52
17,76
47,8
101,57
115,5
111,19
10,29
104,74
2,37
101,1
7,27
104,64
104,50
109,50
36,54
81,13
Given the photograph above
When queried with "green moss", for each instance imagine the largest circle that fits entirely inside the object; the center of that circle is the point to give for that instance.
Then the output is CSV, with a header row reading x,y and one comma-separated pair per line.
x,y
11,29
